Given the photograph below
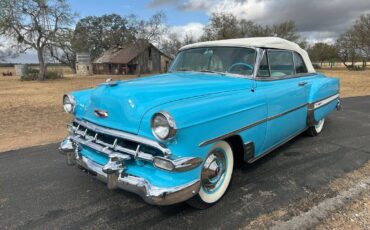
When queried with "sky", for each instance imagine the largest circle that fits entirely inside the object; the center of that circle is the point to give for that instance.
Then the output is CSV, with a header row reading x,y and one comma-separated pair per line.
x,y
317,20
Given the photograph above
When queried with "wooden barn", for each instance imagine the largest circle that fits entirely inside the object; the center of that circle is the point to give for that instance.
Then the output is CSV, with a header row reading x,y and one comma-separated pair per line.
x,y
132,59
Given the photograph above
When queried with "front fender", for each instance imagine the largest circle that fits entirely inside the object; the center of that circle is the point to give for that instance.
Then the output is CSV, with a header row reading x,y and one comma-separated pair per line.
x,y
82,98
204,118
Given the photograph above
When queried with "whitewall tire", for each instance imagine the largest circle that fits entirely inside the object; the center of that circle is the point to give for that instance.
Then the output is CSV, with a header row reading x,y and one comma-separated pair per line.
x,y
216,174
316,129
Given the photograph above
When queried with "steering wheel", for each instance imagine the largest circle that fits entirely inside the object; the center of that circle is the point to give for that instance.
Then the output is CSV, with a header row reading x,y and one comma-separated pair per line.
x,y
250,67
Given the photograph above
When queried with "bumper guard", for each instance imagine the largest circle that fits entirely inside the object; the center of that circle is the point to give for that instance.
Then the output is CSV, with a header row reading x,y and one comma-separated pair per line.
x,y
113,174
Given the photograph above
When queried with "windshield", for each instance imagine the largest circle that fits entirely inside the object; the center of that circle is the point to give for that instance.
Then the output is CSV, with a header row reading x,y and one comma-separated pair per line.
x,y
234,60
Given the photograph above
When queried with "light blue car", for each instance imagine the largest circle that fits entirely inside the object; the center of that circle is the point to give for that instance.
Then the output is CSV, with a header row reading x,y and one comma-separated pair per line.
x,y
176,137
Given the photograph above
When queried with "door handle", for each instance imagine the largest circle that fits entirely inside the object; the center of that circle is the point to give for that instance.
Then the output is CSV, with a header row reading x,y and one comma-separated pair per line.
x,y
303,83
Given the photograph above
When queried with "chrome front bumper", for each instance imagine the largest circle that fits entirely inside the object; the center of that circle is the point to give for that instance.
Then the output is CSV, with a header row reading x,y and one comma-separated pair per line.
x,y
113,174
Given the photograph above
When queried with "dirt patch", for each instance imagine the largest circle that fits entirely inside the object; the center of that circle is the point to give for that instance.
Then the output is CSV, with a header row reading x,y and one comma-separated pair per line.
x,y
353,215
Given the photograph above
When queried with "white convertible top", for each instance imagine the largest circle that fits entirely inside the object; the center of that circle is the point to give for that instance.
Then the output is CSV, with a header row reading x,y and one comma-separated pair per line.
x,y
258,42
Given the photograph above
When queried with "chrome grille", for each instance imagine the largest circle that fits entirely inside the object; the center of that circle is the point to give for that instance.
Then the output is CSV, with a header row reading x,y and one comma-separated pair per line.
x,y
109,141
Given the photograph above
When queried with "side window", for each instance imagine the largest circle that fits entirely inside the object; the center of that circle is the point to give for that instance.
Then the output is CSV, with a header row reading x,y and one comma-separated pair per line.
x,y
281,63
300,67
264,67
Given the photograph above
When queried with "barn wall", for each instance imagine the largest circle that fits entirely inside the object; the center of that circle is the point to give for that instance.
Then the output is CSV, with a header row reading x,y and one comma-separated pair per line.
x,y
165,64
149,64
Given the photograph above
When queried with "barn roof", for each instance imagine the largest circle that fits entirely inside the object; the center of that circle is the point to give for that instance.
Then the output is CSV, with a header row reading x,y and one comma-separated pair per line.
x,y
123,55
119,55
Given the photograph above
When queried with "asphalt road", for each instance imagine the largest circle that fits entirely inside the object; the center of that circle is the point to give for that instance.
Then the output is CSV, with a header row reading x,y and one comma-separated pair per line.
x,y
38,190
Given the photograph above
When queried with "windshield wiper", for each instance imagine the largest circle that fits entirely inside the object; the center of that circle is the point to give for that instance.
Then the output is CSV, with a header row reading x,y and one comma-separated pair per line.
x,y
183,70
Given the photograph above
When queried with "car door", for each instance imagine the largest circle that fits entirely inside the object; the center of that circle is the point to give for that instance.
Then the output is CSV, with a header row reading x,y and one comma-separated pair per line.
x,y
286,97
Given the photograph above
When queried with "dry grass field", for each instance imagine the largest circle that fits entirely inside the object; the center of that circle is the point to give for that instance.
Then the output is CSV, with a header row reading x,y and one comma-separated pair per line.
x,y
32,114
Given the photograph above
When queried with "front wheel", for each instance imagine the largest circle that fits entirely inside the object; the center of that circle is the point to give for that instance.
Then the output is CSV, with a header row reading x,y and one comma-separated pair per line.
x,y
316,129
215,177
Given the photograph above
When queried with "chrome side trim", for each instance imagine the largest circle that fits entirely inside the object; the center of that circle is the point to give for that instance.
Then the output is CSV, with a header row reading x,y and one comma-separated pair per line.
x,y
318,104
324,101
140,186
123,135
286,112
250,126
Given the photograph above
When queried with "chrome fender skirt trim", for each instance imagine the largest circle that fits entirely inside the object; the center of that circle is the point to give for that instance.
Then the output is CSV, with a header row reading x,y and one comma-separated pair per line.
x,y
150,193
318,104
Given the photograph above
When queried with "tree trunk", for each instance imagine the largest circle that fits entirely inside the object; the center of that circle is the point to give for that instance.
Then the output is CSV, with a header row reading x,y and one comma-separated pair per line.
x,y
42,65
345,64
73,68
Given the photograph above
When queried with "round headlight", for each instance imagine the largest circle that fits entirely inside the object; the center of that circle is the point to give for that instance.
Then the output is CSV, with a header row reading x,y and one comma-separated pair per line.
x,y
163,126
69,103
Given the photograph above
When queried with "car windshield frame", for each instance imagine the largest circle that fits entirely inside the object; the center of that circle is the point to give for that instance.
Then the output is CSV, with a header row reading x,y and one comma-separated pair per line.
x,y
223,73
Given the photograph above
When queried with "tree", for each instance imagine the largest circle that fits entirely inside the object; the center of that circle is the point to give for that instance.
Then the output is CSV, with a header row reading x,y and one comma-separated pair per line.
x,y
171,45
61,49
347,48
322,52
34,24
97,34
226,26
221,26
286,30
150,31
361,35
354,44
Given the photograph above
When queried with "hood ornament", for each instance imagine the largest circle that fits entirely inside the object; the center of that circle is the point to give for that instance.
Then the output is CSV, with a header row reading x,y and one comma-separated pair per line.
x,y
100,113
109,82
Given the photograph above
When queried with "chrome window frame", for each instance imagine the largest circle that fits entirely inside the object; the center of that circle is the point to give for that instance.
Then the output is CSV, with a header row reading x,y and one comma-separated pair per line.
x,y
252,76
295,75
304,63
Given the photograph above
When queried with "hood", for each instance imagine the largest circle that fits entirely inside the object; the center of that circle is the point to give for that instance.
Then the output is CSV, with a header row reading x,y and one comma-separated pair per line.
x,y
127,101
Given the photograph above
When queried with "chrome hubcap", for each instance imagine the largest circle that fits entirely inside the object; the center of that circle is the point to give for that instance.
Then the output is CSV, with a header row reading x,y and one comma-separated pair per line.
x,y
213,170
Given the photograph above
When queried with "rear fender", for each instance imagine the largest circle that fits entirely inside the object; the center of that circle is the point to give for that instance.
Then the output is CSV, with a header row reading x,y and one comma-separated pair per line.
x,y
323,98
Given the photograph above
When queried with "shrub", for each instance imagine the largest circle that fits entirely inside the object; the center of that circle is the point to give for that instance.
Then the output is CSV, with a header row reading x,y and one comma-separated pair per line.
x,y
54,75
33,74
355,68
316,66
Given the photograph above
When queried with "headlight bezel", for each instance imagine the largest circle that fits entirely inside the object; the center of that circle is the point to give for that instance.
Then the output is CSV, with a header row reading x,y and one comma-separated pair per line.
x,y
170,122
71,101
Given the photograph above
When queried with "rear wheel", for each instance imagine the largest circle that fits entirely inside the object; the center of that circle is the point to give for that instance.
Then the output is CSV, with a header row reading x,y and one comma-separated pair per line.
x,y
215,177
316,129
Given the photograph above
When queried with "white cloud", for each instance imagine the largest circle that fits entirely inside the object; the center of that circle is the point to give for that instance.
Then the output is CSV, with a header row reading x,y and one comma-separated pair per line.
x,y
314,17
251,10
193,29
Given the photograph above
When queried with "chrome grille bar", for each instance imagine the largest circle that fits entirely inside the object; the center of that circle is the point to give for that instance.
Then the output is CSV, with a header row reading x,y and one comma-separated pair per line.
x,y
84,126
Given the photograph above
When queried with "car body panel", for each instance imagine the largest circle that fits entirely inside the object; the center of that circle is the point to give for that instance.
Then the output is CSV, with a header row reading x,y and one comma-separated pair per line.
x,y
206,108
127,101
286,103
277,107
